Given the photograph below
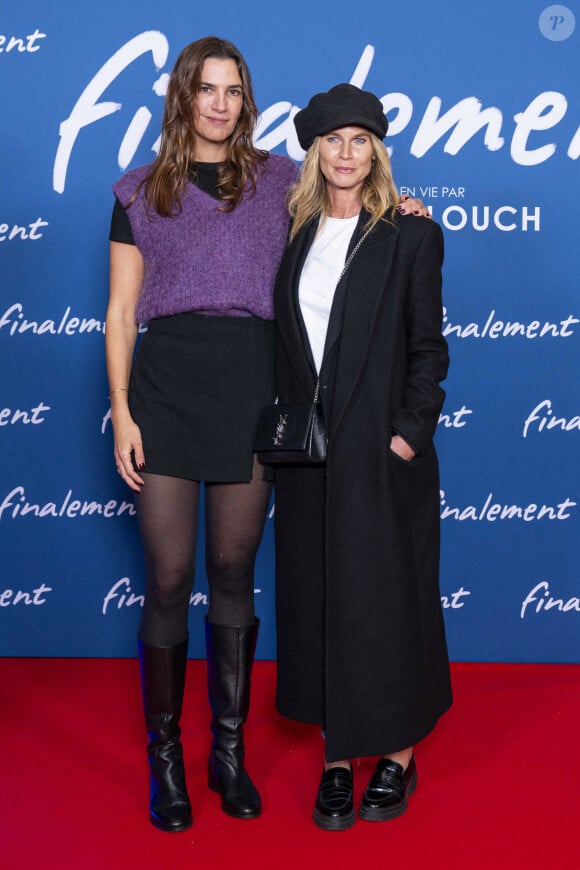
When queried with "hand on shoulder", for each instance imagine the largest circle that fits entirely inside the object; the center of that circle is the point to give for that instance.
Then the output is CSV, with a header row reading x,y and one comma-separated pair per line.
x,y
414,206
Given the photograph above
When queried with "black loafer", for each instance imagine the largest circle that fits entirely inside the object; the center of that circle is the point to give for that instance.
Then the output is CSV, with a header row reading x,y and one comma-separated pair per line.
x,y
334,810
386,794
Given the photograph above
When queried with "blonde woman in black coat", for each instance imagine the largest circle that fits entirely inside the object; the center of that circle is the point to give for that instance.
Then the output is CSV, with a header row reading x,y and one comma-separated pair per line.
x,y
361,640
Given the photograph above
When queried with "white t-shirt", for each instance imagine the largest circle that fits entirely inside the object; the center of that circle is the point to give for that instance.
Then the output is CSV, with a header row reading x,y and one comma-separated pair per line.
x,y
320,274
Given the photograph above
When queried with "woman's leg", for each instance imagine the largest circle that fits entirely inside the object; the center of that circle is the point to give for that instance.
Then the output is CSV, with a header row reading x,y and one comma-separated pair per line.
x,y
235,517
167,508
235,514
403,757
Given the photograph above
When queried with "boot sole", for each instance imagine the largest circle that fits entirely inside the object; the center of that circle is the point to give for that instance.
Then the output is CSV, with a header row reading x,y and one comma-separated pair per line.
x,y
234,815
229,812
170,829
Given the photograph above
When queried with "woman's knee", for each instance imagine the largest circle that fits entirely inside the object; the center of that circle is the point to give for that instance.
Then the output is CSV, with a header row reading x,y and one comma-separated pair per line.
x,y
230,568
170,584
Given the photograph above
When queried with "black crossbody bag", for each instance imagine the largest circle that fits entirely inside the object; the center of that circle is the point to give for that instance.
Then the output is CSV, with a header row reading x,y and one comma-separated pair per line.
x,y
292,434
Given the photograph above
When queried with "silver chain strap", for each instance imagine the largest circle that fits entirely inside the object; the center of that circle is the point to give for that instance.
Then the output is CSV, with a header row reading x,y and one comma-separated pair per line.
x,y
352,253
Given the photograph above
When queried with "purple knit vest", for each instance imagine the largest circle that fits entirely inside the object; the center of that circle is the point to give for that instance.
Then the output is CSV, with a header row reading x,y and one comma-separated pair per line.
x,y
210,261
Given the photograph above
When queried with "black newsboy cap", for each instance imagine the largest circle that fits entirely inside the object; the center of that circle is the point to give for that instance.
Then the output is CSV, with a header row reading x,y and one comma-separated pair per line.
x,y
342,106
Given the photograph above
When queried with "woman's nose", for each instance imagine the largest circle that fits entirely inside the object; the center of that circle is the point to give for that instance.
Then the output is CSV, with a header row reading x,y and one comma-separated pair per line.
x,y
219,101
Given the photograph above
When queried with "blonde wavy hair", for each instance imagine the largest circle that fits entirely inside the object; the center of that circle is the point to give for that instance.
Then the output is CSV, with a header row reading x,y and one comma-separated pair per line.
x,y
307,198
167,178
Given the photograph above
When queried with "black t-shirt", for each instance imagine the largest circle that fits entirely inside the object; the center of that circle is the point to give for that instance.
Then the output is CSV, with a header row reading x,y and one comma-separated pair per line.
x,y
203,175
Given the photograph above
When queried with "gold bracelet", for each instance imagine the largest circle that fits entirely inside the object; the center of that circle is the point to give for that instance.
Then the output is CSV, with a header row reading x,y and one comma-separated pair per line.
x,y
119,390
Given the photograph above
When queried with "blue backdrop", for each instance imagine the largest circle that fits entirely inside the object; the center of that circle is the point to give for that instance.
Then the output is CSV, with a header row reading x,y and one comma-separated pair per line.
x,y
483,103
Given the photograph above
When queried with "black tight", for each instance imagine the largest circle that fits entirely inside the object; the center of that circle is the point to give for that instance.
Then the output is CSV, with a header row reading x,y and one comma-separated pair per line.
x,y
168,509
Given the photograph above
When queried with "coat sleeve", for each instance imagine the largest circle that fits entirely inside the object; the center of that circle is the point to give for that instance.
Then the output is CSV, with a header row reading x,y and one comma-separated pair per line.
x,y
427,357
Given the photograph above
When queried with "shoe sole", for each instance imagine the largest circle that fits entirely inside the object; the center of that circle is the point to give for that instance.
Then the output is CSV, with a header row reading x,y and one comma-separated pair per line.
x,y
376,814
327,823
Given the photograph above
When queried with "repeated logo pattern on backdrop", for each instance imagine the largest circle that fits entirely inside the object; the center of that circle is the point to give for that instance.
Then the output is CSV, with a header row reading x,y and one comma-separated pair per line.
x,y
483,104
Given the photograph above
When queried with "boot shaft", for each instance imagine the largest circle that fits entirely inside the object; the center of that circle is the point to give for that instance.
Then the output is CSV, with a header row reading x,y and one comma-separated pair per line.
x,y
230,657
162,685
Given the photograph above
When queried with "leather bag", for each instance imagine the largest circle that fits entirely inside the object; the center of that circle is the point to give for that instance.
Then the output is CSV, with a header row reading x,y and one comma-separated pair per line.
x,y
292,434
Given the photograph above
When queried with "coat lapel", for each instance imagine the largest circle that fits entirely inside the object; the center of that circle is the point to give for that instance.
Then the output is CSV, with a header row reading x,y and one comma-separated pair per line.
x,y
365,285
355,308
290,326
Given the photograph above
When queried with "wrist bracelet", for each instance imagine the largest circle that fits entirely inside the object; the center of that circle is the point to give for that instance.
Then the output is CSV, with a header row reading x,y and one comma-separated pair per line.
x,y
119,390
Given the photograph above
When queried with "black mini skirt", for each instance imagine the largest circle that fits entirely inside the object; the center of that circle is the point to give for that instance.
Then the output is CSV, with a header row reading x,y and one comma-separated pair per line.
x,y
197,386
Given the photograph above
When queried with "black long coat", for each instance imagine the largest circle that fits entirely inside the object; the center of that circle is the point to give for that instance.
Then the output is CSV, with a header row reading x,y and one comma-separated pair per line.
x,y
361,640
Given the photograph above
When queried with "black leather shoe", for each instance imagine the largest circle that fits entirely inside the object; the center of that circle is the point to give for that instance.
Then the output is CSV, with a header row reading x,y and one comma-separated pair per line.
x,y
386,794
334,809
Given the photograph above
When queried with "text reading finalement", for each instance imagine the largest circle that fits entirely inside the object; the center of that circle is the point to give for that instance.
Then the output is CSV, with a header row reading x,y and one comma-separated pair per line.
x,y
454,600
27,232
495,328
21,44
540,600
543,419
121,596
34,597
490,511
454,419
15,505
14,322
33,416
456,125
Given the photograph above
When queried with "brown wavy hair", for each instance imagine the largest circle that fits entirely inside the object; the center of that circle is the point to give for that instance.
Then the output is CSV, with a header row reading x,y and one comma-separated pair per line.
x,y
166,181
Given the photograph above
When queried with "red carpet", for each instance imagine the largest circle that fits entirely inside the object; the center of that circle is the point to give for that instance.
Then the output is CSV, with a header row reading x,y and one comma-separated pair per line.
x,y
498,780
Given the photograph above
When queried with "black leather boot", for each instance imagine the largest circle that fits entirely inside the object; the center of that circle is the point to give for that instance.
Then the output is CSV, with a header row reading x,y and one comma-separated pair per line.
x,y
162,683
230,655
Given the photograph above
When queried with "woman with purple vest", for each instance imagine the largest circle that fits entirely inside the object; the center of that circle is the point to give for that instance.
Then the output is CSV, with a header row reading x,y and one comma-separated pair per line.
x,y
196,239
195,242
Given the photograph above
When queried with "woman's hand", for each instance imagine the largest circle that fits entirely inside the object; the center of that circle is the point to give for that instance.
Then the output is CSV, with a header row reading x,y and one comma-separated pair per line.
x,y
401,448
128,444
414,206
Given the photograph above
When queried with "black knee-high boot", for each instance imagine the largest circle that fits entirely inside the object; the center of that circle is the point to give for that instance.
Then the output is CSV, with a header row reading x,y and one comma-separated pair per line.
x,y
230,655
162,683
